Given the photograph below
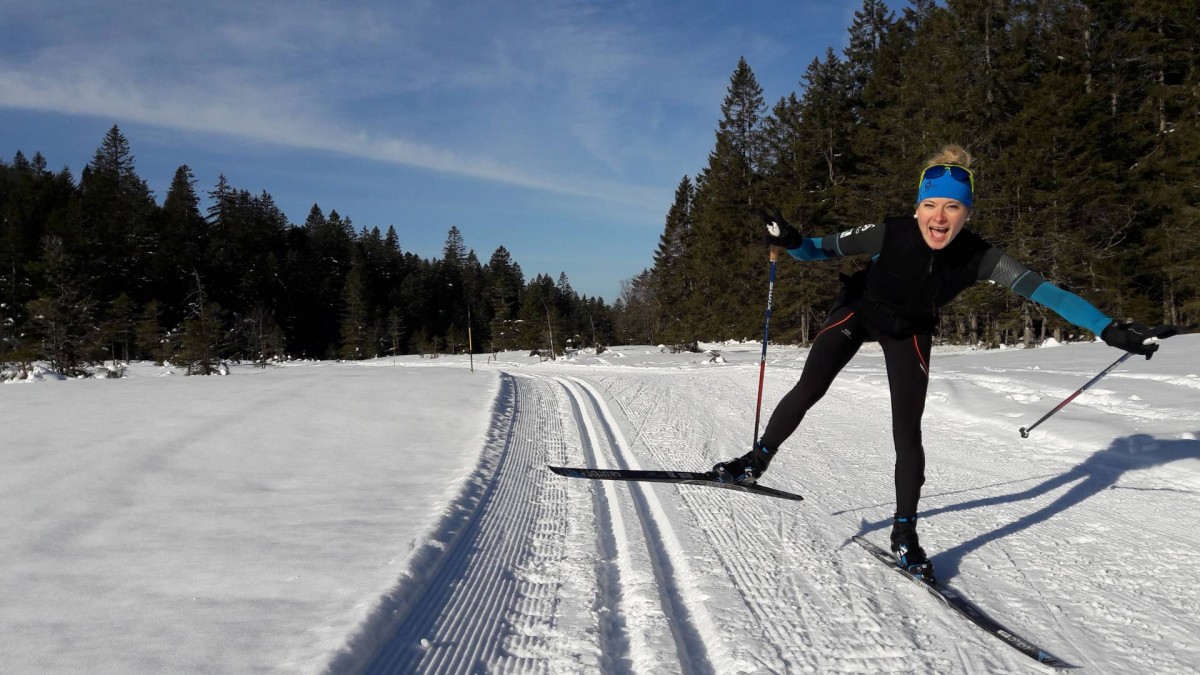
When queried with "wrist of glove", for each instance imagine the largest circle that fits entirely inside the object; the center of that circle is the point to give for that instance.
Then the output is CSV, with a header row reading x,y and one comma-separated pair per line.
x,y
1136,337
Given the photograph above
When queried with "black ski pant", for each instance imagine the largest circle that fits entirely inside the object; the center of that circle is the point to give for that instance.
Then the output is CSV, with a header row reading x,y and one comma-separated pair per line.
x,y
907,361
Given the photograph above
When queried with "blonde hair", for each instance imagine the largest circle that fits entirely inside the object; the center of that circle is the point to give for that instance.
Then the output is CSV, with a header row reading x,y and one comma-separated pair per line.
x,y
951,154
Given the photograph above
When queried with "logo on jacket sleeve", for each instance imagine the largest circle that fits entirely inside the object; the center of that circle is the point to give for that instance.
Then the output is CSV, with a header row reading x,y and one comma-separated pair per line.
x,y
857,230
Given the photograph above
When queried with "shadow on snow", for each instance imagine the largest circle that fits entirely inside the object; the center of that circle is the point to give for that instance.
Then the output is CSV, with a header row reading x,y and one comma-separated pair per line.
x,y
1101,471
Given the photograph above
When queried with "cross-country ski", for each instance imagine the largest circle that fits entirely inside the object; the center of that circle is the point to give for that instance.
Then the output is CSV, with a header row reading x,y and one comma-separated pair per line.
x,y
968,610
676,477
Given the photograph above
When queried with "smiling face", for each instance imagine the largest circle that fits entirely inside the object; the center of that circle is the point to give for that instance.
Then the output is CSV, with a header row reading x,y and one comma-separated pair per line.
x,y
940,220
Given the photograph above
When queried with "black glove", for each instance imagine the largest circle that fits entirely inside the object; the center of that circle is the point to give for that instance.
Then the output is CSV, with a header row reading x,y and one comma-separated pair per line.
x,y
779,232
1132,337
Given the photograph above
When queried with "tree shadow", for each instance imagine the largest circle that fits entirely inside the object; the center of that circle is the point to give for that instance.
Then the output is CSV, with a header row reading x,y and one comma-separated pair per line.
x,y
1101,471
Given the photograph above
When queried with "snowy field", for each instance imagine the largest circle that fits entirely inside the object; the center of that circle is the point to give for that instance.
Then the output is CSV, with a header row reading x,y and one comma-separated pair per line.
x,y
395,516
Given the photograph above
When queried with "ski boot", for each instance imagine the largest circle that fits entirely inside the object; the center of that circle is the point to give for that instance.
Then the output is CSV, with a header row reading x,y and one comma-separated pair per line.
x,y
746,469
907,548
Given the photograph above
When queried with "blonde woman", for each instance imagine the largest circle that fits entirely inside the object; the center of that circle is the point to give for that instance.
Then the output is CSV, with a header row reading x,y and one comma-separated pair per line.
x,y
918,264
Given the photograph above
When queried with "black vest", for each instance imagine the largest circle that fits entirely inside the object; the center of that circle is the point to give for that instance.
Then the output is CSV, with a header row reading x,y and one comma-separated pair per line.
x,y
908,282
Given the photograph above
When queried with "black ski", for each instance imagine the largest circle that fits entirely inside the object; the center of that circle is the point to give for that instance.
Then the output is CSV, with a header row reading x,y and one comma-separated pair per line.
x,y
964,607
683,477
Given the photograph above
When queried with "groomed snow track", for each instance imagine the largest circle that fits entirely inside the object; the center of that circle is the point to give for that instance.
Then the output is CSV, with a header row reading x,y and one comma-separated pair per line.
x,y
534,573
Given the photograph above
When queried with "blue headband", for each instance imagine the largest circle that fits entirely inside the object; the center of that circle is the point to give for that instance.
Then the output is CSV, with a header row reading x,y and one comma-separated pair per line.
x,y
945,185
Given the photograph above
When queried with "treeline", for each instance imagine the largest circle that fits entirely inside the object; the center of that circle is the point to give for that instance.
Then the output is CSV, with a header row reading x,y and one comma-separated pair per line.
x,y
1083,117
96,270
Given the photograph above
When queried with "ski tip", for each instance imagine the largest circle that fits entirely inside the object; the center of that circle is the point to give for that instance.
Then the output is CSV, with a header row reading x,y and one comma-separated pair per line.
x,y
1052,661
560,470
781,494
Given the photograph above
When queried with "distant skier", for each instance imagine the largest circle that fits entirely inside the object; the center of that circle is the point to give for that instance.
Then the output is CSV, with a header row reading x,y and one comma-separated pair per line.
x,y
918,265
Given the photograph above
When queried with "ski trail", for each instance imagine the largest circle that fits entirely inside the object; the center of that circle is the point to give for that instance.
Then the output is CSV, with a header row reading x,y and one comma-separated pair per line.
x,y
615,566
658,576
489,601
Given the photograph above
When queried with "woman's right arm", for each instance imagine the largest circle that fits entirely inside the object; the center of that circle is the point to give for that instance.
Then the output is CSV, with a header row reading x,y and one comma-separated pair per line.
x,y
863,240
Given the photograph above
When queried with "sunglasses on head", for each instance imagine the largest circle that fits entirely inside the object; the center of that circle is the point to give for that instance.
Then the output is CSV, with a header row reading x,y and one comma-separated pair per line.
x,y
958,173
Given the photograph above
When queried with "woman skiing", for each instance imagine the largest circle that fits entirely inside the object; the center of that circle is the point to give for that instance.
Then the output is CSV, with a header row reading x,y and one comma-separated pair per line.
x,y
919,264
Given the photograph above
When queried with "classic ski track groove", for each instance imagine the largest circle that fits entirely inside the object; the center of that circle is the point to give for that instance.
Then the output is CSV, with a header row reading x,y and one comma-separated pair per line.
x,y
612,548
658,542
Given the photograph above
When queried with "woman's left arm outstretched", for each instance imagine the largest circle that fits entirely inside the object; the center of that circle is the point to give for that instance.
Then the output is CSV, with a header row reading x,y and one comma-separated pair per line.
x,y
1003,269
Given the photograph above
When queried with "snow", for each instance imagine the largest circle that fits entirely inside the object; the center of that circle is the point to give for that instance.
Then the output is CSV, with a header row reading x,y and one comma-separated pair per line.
x,y
396,516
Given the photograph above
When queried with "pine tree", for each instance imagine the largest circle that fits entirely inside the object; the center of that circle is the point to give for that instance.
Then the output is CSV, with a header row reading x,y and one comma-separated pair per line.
x,y
354,328
638,314
325,265
64,314
827,120
724,255
671,282
118,212
151,340
505,283
741,120
184,244
875,63
541,329
479,312
260,338
868,35
454,252
396,331
120,331
448,295
202,336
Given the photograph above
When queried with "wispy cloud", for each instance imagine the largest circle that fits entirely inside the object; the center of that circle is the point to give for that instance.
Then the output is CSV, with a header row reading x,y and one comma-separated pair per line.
x,y
369,82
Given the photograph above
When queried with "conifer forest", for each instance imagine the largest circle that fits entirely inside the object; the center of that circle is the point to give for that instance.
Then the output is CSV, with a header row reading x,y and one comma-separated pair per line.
x,y
1083,118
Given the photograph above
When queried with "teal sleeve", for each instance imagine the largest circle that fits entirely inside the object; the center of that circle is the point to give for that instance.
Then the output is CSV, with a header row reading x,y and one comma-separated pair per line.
x,y
1070,307
809,250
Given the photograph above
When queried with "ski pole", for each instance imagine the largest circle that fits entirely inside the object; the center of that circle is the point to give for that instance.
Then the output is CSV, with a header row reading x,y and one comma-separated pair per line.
x,y
762,364
1025,430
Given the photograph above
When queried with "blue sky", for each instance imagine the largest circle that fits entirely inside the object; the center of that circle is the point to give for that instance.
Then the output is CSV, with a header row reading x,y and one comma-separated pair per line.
x,y
556,129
